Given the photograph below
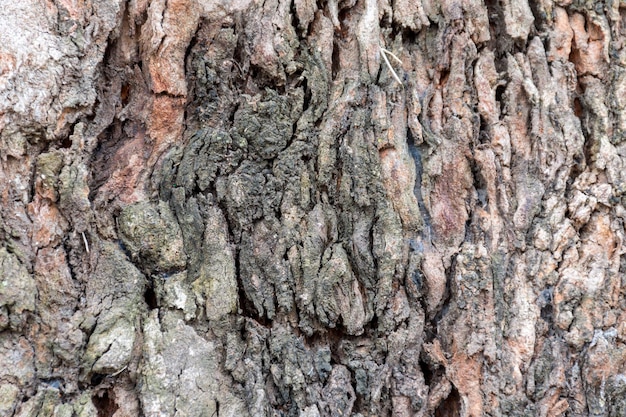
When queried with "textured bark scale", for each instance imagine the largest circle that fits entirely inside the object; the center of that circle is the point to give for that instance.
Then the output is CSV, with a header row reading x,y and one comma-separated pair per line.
x,y
312,208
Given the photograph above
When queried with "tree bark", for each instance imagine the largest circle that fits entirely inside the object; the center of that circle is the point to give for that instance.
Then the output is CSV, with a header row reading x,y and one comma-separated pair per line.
x,y
312,208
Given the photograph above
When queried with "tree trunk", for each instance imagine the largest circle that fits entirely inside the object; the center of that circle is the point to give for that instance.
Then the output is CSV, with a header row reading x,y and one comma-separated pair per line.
x,y
312,208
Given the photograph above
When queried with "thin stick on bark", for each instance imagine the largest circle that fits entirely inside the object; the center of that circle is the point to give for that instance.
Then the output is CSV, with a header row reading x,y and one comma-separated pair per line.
x,y
85,242
393,73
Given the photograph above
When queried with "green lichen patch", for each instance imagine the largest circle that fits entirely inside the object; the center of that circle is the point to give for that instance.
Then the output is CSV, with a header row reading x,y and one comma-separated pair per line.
x,y
174,292
180,371
338,296
215,287
16,359
84,407
48,168
18,289
152,235
209,154
8,397
74,195
265,274
115,303
266,121
41,404
111,343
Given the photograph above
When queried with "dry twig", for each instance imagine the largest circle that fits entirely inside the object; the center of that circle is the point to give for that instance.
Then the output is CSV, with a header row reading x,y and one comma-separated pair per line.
x,y
386,52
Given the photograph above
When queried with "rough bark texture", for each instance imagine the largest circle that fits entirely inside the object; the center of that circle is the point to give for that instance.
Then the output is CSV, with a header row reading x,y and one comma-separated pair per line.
x,y
235,207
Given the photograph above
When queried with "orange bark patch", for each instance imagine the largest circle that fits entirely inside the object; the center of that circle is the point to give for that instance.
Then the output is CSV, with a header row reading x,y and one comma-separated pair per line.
x,y
7,67
435,275
128,167
448,198
561,38
464,372
588,48
48,223
165,125
399,180
166,63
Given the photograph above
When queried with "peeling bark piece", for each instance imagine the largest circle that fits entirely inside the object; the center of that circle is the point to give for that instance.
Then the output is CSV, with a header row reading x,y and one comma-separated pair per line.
x,y
293,366
561,37
410,14
368,37
50,60
272,38
165,127
111,343
181,375
58,300
318,230
447,199
74,195
175,292
601,361
265,273
387,250
434,272
518,18
305,10
248,195
398,173
589,44
529,194
49,167
168,31
17,359
208,154
403,361
338,293
338,396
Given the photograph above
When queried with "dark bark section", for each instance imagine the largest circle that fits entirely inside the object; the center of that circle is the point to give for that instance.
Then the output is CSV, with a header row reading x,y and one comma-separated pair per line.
x,y
313,209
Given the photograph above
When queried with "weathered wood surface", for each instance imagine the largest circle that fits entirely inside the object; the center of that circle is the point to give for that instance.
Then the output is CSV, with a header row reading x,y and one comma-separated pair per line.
x,y
231,208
